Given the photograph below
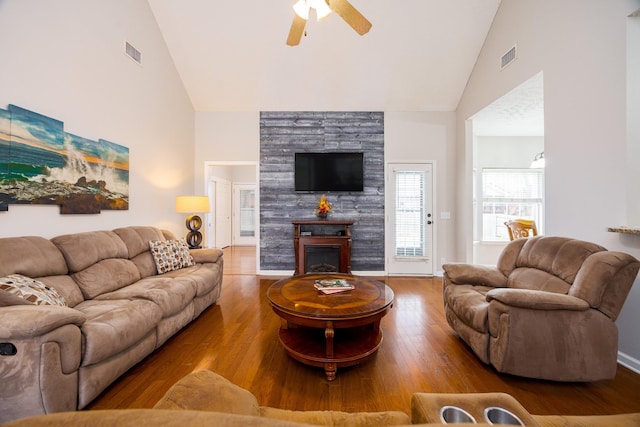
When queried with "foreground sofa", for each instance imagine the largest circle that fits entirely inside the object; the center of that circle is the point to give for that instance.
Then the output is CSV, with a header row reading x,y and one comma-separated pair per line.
x,y
79,310
204,398
547,310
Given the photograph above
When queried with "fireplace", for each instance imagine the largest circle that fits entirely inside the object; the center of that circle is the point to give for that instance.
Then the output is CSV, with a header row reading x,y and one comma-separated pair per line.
x,y
322,259
316,251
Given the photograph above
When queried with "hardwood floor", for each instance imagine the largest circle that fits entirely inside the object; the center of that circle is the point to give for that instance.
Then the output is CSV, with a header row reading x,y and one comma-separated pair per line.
x,y
237,338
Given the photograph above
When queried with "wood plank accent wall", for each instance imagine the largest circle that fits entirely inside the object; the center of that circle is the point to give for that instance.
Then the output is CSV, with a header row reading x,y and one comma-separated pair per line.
x,y
282,134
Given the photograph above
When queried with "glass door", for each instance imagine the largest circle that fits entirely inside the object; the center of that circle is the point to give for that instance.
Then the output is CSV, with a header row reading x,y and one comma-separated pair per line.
x,y
411,219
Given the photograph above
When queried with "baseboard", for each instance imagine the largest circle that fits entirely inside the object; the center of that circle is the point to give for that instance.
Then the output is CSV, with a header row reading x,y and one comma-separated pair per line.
x,y
290,273
355,273
275,273
629,362
369,273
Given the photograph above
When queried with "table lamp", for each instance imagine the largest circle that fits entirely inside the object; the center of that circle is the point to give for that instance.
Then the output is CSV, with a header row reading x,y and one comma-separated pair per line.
x,y
193,205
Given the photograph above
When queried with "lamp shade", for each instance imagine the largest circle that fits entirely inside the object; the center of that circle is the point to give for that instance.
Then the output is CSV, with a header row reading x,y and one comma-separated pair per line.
x,y
192,204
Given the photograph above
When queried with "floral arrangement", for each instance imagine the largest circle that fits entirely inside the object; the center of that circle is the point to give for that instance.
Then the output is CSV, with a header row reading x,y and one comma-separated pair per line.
x,y
324,207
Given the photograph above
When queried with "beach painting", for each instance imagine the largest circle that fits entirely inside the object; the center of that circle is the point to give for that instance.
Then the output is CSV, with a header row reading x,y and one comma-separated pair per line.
x,y
40,163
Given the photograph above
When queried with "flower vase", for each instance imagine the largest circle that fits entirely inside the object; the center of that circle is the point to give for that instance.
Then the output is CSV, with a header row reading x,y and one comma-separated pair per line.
x,y
322,215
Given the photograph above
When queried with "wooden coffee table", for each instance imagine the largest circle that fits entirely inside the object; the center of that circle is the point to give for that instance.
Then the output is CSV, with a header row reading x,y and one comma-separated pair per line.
x,y
330,331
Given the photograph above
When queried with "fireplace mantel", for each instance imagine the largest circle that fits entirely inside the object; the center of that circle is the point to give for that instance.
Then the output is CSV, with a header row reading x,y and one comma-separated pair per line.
x,y
305,238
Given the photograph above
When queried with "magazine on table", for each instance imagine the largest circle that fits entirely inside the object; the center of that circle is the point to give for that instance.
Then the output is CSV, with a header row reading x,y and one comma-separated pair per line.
x,y
331,286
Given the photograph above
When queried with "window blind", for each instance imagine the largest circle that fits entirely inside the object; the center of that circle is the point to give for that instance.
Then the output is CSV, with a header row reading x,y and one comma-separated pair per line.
x,y
409,227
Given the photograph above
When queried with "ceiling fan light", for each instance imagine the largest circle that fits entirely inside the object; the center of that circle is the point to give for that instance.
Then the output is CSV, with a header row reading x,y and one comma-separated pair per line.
x,y
301,8
321,7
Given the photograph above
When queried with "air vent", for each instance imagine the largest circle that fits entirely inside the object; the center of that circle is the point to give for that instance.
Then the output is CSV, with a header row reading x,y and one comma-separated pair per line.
x,y
133,53
508,58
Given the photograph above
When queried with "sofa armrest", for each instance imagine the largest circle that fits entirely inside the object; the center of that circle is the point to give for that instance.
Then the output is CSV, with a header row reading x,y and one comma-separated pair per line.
x,y
42,350
202,256
24,321
537,300
426,407
476,275
208,391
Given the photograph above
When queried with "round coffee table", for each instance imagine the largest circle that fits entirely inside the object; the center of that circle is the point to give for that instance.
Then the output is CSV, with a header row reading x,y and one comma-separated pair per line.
x,y
330,330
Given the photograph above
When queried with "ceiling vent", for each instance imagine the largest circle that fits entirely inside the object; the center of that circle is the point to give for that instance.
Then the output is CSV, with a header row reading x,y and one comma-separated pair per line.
x,y
133,53
508,58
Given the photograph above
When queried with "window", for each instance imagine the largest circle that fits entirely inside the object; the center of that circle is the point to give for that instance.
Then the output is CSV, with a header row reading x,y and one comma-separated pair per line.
x,y
410,213
509,194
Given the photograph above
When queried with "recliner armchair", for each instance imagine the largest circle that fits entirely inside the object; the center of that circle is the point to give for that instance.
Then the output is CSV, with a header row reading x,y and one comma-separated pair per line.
x,y
547,310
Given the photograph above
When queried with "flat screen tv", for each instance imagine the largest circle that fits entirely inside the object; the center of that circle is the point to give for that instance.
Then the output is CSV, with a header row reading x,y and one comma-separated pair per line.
x,y
329,172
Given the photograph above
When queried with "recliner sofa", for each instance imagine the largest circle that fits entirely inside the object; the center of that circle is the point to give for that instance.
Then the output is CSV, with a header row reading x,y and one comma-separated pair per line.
x,y
547,310
204,398
116,309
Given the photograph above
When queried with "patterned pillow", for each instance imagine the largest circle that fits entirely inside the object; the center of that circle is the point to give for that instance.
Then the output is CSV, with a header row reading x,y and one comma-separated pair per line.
x,y
170,255
18,289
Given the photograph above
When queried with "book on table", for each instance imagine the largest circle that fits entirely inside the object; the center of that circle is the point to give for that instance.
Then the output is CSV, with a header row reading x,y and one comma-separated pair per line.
x,y
331,286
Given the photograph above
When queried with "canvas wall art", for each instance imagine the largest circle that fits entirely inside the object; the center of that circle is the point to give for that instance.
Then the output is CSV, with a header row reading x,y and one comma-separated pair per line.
x,y
40,163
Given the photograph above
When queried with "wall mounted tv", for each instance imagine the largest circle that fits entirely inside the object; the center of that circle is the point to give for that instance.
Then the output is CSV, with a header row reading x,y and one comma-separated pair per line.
x,y
329,172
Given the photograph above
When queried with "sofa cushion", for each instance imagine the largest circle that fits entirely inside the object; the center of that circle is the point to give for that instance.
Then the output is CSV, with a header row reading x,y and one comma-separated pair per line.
x,y
114,326
31,256
170,255
203,276
18,289
560,256
106,276
82,250
171,295
137,239
66,287
539,280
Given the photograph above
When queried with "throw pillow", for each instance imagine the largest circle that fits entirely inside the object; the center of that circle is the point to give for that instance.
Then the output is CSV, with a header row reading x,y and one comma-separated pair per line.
x,y
170,255
17,289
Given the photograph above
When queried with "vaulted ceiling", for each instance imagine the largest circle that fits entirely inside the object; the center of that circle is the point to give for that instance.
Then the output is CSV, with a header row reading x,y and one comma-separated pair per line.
x,y
232,56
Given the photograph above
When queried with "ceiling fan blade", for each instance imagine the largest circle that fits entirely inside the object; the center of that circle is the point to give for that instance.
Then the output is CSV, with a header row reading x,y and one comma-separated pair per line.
x,y
297,28
350,14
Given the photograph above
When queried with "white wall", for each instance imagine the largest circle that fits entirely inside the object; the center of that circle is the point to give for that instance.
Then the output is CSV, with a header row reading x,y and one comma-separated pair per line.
x,y
428,136
581,47
65,59
409,137
633,113
225,136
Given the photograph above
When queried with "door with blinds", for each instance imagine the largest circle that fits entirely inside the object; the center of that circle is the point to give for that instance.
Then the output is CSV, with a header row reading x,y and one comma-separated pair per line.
x,y
410,249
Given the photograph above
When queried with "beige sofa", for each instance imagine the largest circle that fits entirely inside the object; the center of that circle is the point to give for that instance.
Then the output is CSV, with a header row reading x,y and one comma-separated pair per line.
x,y
206,399
547,310
100,308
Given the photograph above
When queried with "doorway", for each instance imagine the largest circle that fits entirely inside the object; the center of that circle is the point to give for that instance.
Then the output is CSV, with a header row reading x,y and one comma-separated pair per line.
x,y
505,138
219,226
411,220
232,188
244,214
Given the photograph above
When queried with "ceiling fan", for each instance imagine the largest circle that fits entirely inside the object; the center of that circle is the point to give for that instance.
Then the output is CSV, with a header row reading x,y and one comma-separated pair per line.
x,y
324,7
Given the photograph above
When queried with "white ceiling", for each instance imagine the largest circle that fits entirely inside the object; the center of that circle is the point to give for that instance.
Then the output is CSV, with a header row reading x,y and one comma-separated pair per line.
x,y
518,113
232,56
